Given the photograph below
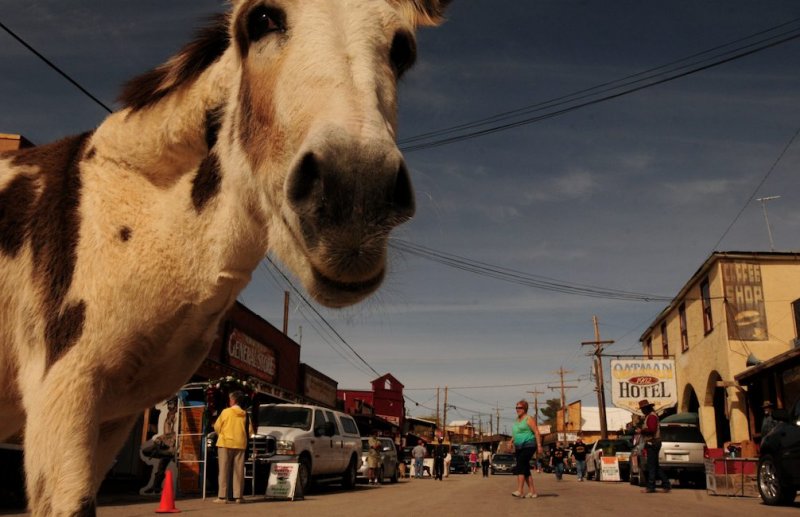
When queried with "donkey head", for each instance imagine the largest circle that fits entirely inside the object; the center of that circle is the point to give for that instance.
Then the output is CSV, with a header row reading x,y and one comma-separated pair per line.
x,y
316,118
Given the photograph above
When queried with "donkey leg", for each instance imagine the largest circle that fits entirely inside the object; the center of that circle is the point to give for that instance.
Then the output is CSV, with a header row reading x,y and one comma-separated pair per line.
x,y
60,442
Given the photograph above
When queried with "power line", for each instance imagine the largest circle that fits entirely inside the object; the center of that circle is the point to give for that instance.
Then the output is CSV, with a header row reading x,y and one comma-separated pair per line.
x,y
758,187
628,88
54,67
518,277
327,324
319,330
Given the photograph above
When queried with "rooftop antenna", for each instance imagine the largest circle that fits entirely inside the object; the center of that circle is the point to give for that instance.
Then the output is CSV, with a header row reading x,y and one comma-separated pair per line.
x,y
763,201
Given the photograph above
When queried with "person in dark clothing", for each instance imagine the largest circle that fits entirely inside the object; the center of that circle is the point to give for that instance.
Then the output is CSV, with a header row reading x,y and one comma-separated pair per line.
x,y
439,452
579,451
557,455
651,434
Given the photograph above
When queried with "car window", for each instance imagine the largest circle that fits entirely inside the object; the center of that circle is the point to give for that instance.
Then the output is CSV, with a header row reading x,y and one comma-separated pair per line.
x,y
680,433
503,457
332,419
349,425
387,444
365,445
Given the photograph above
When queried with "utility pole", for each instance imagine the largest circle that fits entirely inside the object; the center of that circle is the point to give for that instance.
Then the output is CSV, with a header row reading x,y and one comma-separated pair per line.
x,y
763,201
437,408
536,394
561,371
598,362
497,411
446,438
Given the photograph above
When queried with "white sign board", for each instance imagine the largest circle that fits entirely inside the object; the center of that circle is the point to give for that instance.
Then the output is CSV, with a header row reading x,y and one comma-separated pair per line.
x,y
282,480
609,468
635,379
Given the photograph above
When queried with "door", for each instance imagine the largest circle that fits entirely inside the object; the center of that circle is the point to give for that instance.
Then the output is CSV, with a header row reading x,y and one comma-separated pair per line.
x,y
338,457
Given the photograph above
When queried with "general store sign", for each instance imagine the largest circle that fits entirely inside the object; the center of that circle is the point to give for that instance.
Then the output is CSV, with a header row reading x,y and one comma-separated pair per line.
x,y
247,354
635,379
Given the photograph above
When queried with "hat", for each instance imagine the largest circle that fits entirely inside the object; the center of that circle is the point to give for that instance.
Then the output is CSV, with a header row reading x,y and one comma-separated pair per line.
x,y
766,404
644,403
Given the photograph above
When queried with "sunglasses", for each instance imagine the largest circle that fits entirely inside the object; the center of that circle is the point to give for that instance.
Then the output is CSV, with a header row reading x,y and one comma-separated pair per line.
x,y
520,407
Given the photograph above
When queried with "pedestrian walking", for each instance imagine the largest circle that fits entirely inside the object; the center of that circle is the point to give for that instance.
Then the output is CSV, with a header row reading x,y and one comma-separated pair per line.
x,y
418,453
651,434
373,458
486,460
557,455
527,441
232,427
473,461
447,460
579,451
439,452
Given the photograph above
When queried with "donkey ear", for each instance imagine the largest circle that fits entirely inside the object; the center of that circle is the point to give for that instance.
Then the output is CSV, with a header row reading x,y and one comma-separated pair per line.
x,y
424,13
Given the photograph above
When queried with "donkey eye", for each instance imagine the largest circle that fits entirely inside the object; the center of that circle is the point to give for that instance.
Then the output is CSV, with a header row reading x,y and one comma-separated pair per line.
x,y
264,20
403,52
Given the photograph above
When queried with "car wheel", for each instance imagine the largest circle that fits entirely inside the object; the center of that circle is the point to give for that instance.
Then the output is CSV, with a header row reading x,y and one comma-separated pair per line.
x,y
380,475
393,479
598,474
772,488
304,474
349,476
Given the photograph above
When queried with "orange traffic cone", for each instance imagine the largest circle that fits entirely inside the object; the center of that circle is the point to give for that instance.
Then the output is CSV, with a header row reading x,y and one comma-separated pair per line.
x,y
167,497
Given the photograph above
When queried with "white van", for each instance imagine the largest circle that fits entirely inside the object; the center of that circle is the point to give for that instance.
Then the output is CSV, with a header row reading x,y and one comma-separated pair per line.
x,y
326,443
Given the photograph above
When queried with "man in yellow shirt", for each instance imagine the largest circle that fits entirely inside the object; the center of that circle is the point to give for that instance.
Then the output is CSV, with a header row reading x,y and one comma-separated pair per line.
x,y
232,428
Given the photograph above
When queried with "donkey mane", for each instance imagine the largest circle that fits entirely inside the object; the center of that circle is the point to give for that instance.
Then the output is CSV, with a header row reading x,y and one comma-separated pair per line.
x,y
209,44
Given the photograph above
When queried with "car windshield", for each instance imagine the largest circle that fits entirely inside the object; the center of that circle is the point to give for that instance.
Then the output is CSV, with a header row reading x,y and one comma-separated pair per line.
x,y
503,457
278,416
681,433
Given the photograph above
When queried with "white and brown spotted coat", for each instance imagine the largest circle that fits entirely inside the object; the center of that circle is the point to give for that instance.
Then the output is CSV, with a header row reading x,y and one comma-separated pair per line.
x,y
121,248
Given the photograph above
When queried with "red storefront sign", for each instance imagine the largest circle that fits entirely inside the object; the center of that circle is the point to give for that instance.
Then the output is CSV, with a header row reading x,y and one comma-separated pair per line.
x,y
248,355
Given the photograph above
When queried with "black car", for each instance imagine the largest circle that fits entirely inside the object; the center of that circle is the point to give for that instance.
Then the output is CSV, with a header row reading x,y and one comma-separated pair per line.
x,y
779,460
503,464
459,464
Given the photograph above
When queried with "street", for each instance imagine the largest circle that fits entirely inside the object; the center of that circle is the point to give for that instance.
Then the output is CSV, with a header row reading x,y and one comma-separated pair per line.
x,y
468,495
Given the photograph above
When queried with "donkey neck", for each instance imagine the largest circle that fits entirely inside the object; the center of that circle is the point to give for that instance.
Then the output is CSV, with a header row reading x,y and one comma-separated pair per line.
x,y
167,139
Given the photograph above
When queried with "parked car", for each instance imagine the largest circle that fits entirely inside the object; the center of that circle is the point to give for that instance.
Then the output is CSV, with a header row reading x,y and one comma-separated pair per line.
x,y
459,464
388,468
779,460
619,447
682,456
503,463
326,443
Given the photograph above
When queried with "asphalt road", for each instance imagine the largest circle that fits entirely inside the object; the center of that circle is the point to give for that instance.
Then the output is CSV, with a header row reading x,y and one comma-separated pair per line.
x,y
469,495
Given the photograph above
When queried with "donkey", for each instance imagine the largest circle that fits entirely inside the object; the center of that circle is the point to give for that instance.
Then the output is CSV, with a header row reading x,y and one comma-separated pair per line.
x,y
121,248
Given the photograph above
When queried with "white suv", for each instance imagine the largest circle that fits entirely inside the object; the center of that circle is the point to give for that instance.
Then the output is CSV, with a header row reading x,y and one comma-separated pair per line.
x,y
326,443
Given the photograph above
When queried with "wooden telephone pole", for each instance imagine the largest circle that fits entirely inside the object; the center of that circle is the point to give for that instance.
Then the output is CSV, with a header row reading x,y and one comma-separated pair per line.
x,y
561,371
536,394
598,364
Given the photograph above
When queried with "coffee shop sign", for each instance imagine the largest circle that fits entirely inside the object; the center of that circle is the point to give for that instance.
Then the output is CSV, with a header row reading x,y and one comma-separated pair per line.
x,y
637,379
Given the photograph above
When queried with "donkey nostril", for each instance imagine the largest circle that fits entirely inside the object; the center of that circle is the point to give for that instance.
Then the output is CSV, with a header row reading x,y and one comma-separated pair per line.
x,y
403,193
303,181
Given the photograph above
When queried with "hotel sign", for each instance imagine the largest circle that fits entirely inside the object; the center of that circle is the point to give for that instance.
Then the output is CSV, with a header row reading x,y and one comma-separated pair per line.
x,y
635,379
248,355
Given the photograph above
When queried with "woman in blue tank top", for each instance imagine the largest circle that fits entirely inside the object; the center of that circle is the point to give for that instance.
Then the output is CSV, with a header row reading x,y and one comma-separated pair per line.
x,y
527,442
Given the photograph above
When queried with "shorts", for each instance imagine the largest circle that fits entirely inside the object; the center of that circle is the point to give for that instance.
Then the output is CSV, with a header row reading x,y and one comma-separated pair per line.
x,y
524,455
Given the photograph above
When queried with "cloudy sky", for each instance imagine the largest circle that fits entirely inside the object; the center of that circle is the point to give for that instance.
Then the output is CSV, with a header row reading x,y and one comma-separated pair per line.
x,y
630,193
